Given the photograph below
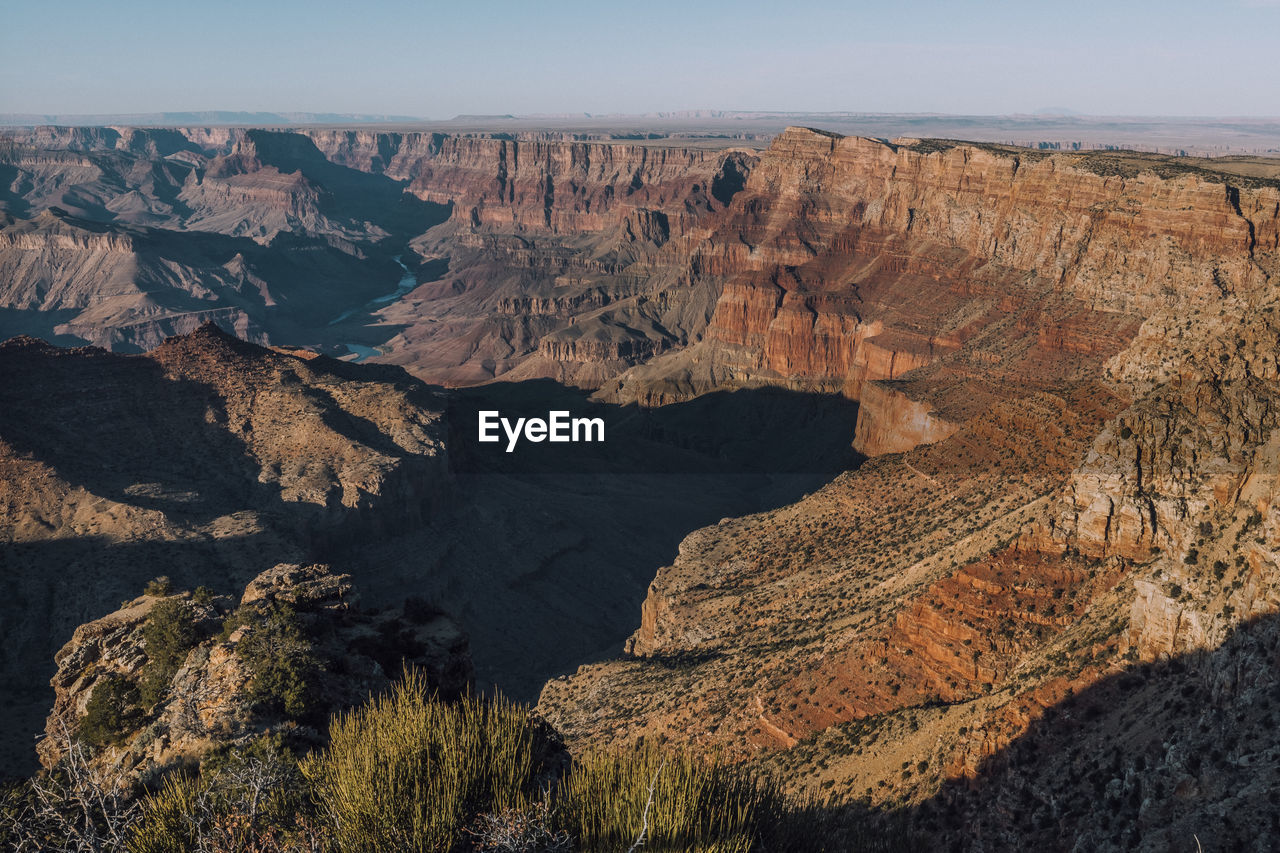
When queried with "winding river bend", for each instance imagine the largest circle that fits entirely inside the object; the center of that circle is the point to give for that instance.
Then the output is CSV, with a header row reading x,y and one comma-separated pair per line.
x,y
407,282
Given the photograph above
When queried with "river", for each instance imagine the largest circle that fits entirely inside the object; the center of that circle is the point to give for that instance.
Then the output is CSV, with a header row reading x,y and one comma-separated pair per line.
x,y
407,283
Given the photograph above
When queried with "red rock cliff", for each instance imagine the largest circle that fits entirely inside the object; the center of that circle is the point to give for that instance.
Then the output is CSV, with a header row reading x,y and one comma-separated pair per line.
x,y
851,260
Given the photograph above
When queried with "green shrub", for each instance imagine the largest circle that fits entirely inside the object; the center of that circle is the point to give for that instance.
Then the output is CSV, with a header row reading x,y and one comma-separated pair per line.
x,y
676,801
281,663
271,747
237,618
158,586
169,821
408,772
255,800
169,635
110,711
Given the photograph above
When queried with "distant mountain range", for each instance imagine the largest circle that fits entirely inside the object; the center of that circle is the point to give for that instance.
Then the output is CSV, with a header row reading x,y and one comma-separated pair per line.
x,y
187,119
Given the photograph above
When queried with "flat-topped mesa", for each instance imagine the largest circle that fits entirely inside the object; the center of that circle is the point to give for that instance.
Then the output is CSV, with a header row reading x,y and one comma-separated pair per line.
x,y
543,184
571,188
54,229
149,141
1030,210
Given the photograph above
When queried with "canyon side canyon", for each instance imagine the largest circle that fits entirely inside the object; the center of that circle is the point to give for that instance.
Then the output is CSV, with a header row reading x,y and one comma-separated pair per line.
x,y
944,477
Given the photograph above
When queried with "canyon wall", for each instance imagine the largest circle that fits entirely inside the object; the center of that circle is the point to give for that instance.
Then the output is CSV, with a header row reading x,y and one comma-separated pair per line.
x,y
569,256
1072,395
851,261
823,262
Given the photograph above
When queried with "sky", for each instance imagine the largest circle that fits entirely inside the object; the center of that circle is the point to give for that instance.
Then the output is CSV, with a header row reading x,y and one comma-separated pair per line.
x,y
436,60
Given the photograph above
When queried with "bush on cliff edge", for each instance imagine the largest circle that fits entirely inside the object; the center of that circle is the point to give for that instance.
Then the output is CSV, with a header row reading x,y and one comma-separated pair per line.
x,y
408,772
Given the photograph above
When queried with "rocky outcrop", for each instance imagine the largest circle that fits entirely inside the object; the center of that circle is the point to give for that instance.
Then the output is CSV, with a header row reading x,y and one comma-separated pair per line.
x,y
1167,464
890,422
204,460
216,698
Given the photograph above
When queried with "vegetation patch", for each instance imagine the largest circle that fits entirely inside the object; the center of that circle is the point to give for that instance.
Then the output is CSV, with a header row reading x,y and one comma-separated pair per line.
x,y
170,633
282,664
110,712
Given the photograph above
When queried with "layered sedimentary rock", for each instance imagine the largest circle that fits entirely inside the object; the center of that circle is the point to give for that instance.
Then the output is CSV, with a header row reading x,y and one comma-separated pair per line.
x,y
117,287
544,237
567,260
120,237
825,261
890,422
871,595
930,616
852,261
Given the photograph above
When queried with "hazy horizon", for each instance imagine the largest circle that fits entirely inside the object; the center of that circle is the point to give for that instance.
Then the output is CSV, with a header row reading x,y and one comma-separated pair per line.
x,y
434,61
323,117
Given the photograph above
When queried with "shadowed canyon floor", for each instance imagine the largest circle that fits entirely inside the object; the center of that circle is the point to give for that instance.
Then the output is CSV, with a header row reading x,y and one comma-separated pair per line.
x,y
210,457
1059,368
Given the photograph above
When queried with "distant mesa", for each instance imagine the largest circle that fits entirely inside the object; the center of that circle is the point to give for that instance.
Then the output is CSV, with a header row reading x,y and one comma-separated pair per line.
x,y
196,119
1056,111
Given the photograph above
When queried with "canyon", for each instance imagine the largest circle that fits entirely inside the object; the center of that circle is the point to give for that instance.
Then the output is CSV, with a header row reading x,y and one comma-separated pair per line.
x,y
1052,375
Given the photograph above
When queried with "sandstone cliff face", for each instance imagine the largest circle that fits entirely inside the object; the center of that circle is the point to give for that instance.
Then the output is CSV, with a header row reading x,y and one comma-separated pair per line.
x,y
852,261
209,703
891,422
808,261
548,184
554,246
1097,529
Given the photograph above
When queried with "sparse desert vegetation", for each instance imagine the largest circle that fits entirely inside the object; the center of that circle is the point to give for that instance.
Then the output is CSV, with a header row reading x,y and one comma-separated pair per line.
x,y
409,772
